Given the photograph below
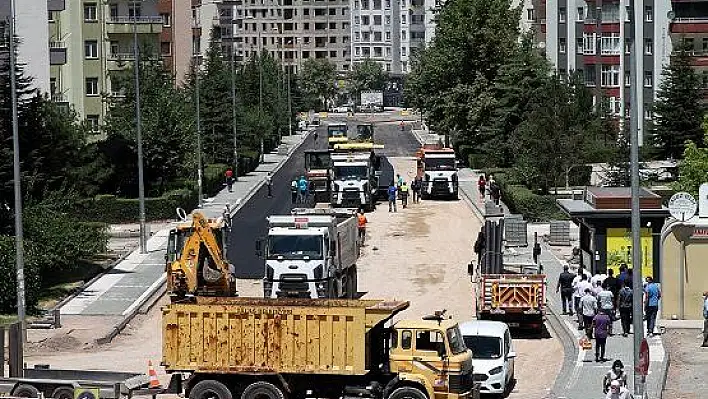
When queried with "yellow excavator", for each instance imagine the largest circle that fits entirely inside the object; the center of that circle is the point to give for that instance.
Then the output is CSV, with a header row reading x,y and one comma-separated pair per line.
x,y
196,258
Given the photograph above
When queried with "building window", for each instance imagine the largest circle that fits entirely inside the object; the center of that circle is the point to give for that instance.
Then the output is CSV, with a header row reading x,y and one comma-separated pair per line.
x,y
648,115
357,21
688,42
388,67
579,45
562,46
610,76
705,45
90,12
403,51
166,20
404,35
91,49
365,20
356,5
332,11
377,20
91,86
648,79
365,4
589,43
377,4
135,11
166,48
92,123
610,44
388,36
529,14
333,39
580,14
615,104
627,13
332,54
648,14
648,47
403,19
561,14
357,51
50,16
388,51
627,78
387,18
627,46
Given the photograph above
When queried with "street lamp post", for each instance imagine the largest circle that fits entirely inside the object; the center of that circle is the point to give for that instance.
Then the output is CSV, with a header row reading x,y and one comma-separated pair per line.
x,y
290,105
19,237
199,138
233,109
139,134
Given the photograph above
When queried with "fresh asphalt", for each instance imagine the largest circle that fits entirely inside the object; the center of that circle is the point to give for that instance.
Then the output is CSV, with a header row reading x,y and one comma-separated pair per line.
x,y
249,224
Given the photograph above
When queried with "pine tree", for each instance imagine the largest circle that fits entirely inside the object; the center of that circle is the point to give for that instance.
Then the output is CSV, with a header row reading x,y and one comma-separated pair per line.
x,y
678,107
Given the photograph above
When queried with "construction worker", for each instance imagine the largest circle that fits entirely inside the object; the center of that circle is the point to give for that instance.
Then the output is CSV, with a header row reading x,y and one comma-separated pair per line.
x,y
404,194
361,223
302,187
392,197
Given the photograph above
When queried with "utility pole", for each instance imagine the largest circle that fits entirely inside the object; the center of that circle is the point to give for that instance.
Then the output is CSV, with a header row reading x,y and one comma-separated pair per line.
x,y
19,235
139,135
260,94
636,120
199,138
233,109
290,105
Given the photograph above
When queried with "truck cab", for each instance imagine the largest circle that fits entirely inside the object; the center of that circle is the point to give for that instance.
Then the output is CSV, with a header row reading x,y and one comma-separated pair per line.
x,y
433,355
354,181
318,167
336,134
365,133
437,167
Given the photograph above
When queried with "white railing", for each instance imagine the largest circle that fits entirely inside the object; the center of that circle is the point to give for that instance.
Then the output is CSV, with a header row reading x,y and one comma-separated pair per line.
x,y
688,20
130,20
57,45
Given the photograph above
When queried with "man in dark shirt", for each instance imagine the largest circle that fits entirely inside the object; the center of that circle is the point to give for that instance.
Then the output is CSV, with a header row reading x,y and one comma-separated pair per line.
x,y
610,284
565,286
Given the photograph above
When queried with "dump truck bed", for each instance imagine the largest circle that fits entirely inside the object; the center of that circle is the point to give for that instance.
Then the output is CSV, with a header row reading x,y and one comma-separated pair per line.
x,y
511,292
256,335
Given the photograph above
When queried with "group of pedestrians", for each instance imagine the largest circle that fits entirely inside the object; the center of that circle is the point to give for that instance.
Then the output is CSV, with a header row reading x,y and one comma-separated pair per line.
x,y
489,186
399,189
300,190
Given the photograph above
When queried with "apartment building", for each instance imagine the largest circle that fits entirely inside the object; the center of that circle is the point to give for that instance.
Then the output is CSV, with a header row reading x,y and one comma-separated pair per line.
x,y
31,27
292,31
688,21
595,37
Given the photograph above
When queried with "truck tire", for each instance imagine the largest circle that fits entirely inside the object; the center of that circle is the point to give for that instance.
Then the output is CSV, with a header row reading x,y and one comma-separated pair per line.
x,y
262,390
210,389
25,391
63,393
407,393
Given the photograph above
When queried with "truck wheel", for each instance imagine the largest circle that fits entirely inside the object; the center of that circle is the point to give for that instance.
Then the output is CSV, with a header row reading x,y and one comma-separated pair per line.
x,y
63,393
262,390
25,391
210,389
407,393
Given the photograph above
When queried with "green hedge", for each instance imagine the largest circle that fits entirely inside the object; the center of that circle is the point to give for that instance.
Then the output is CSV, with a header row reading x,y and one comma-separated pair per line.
x,y
521,200
8,276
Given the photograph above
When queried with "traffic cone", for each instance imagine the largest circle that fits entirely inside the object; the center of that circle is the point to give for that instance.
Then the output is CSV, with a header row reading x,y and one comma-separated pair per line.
x,y
154,382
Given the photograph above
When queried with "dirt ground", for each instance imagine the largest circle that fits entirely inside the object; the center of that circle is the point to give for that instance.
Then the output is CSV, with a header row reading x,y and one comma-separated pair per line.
x,y
688,368
418,254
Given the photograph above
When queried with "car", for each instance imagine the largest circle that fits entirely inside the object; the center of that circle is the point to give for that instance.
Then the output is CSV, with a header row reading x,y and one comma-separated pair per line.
x,y
492,354
341,109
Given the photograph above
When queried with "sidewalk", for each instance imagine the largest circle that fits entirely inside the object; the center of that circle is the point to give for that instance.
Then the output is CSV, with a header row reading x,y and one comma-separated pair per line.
x,y
125,288
580,377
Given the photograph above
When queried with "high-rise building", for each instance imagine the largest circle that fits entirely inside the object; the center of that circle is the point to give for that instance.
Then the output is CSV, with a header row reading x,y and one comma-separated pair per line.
x,y
595,38
688,21
292,31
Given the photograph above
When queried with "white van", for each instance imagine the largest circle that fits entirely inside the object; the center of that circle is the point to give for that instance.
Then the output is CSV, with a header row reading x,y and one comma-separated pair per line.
x,y
492,354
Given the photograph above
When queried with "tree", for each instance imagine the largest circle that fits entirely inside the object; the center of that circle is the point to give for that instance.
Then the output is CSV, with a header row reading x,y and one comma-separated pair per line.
x,y
168,126
366,75
319,79
693,168
678,107
451,80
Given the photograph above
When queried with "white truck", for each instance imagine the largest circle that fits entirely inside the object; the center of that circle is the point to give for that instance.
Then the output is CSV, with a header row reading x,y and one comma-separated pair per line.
x,y
438,170
311,254
372,101
354,181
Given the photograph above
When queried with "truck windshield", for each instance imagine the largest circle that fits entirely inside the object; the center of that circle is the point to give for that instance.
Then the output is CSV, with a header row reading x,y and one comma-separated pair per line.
x,y
317,161
295,246
337,131
457,344
439,163
342,172
484,347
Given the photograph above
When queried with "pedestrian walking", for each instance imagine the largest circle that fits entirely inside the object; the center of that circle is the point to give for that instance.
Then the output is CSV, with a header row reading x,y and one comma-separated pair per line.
x,y
616,373
293,191
705,319
404,194
622,276
361,224
652,297
580,285
624,303
414,190
596,287
606,303
611,284
229,175
588,307
495,192
480,245
481,186
392,197
269,184
302,187
617,391
601,324
418,188
399,181
565,287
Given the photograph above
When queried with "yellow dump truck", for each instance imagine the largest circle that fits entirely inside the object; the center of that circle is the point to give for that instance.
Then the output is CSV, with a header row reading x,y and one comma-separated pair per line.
x,y
255,348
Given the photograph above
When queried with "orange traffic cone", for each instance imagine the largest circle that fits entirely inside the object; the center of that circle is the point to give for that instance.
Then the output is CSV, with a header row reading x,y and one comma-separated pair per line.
x,y
154,382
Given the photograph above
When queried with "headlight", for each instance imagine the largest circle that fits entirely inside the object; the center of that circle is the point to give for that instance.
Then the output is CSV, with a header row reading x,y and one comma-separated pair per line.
x,y
496,370
267,288
321,289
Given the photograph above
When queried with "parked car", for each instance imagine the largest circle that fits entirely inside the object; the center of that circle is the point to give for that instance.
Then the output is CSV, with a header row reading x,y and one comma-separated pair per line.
x,y
492,354
341,109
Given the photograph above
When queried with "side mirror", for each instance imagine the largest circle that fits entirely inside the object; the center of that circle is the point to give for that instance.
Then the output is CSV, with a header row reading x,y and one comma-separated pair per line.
x,y
441,353
511,355
259,247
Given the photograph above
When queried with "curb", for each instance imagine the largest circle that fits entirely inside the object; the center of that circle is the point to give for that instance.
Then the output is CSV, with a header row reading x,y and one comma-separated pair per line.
x,y
567,339
159,290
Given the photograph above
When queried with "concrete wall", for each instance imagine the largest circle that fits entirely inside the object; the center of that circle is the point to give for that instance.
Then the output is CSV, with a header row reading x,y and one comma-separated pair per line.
x,y
695,276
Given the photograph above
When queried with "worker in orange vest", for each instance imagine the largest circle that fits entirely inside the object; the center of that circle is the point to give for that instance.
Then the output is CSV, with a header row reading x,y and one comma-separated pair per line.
x,y
361,223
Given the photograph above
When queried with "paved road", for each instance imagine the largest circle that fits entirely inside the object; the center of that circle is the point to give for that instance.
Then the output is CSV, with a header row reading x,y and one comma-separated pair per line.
x,y
249,224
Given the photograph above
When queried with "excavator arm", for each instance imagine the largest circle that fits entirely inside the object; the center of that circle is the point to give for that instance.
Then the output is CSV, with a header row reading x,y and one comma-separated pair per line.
x,y
200,267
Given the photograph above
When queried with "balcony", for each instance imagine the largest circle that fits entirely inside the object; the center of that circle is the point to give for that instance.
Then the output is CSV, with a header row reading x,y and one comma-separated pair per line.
x,y
118,61
57,53
684,25
116,25
56,5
